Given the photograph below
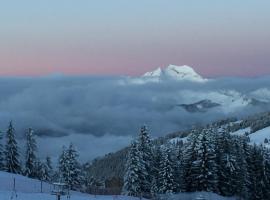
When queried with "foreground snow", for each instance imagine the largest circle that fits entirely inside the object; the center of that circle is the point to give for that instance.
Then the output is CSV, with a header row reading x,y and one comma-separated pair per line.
x,y
199,195
30,189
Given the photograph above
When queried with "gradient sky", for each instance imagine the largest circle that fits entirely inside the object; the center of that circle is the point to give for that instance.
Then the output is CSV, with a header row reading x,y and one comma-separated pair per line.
x,y
120,37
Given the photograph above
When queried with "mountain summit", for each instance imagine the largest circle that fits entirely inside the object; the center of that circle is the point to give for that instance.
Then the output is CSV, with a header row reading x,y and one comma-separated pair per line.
x,y
181,73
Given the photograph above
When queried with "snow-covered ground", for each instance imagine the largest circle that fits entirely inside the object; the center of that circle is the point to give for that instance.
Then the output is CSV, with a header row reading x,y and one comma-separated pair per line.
x,y
199,195
242,131
257,137
30,189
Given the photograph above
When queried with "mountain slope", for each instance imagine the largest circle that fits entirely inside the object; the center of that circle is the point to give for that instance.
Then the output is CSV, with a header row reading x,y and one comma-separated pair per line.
x,y
256,126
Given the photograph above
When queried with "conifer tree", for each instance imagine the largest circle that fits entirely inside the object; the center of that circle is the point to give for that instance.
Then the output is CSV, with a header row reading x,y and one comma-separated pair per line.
x,y
227,171
48,169
2,164
256,170
145,150
132,181
12,163
69,166
166,174
189,155
178,167
157,156
74,167
31,158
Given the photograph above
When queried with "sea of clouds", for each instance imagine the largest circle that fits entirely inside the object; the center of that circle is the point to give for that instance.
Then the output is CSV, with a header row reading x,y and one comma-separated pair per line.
x,y
102,114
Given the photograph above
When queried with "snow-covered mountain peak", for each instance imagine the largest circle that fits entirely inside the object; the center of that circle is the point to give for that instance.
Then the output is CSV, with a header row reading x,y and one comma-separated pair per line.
x,y
182,73
156,73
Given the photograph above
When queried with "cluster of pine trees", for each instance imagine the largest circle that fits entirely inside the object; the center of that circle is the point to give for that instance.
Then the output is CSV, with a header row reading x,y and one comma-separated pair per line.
x,y
30,165
211,160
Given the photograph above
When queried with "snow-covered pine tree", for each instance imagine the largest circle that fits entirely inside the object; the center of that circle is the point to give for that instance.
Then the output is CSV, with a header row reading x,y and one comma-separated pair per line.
x,y
63,165
189,155
203,168
166,173
145,150
266,158
31,158
74,178
12,163
43,172
69,167
157,155
226,161
178,167
256,170
132,181
241,151
48,169
2,164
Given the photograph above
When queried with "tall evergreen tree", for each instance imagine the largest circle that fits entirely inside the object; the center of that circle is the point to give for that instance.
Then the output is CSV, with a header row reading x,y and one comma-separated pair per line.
x,y
132,181
74,167
12,163
256,170
157,156
31,158
242,152
146,161
69,167
166,174
48,169
226,160
2,164
189,156
178,167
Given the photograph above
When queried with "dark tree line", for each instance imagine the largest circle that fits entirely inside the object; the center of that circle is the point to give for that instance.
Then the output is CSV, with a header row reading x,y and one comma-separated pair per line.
x,y
211,160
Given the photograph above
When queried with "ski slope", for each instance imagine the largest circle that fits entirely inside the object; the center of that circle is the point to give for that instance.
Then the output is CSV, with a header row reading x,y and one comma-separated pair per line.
x,y
30,189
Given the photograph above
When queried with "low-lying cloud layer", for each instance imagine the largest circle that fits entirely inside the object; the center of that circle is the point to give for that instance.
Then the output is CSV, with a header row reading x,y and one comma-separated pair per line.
x,y
96,109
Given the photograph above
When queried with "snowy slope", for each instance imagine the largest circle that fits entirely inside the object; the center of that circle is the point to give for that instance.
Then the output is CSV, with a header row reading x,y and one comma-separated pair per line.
x,y
259,136
199,195
29,189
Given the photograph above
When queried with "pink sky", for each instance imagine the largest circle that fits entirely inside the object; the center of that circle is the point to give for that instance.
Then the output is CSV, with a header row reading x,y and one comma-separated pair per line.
x,y
123,38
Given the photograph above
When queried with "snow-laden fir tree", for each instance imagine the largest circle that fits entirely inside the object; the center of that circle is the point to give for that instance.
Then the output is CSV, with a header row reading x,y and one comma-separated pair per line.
x,y
43,172
166,173
74,167
132,178
145,150
178,167
157,155
48,169
257,174
63,164
31,158
12,163
242,152
189,155
69,167
2,164
266,164
204,168
226,162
